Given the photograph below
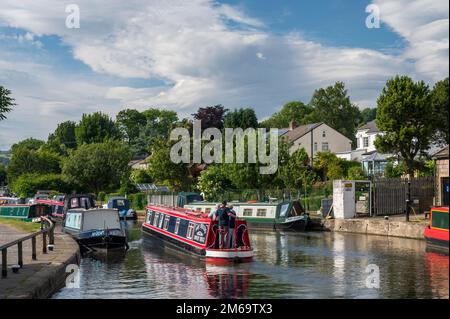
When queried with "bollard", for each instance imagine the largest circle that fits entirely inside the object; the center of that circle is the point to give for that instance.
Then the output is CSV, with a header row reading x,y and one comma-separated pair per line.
x,y
52,236
4,262
33,248
19,254
44,243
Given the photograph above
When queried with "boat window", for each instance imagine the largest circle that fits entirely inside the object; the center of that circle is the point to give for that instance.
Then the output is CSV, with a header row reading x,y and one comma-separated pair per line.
x,y
177,226
284,210
149,216
74,203
439,220
190,231
120,202
247,212
166,222
161,220
261,212
208,210
155,220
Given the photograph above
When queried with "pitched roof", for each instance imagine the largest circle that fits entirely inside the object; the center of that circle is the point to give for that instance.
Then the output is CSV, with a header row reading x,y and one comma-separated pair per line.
x,y
298,132
370,126
442,153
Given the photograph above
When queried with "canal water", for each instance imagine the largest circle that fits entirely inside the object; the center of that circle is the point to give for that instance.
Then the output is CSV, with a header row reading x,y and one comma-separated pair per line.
x,y
286,265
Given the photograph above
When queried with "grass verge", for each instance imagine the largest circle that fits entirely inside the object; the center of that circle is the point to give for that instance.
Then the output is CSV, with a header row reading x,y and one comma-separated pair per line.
x,y
20,225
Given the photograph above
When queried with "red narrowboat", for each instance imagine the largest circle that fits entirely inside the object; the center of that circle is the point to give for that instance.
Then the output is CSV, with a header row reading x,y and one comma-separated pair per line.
x,y
194,233
57,207
436,233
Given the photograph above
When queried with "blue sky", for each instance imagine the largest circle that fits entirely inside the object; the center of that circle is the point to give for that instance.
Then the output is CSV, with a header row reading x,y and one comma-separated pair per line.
x,y
182,55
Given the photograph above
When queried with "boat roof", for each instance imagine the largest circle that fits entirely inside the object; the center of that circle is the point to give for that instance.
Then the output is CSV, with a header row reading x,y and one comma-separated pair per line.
x,y
241,203
181,212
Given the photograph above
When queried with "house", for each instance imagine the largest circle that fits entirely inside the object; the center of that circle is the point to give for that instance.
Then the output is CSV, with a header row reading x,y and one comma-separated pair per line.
x,y
316,137
441,177
139,163
366,135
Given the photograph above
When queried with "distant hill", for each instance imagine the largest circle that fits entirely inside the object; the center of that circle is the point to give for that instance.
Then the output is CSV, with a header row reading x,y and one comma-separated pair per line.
x,y
5,157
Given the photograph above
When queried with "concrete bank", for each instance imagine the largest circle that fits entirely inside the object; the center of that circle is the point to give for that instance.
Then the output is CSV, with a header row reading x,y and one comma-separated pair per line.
x,y
376,226
42,277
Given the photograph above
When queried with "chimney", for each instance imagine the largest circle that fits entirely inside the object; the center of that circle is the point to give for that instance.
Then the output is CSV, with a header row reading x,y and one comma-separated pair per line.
x,y
292,125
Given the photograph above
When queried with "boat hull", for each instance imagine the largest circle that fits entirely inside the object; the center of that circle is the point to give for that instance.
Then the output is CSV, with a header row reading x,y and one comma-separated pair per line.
x,y
437,240
100,240
294,225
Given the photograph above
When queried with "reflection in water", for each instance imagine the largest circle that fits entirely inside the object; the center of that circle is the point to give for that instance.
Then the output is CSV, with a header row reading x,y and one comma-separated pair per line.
x,y
286,265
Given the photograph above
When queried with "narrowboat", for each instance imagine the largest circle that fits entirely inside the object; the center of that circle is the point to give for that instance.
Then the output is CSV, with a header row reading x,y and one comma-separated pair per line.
x,y
25,212
56,207
122,204
196,234
287,215
95,229
436,233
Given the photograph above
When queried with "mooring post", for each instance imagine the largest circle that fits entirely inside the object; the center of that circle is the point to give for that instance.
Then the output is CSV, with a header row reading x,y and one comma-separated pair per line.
x,y
44,243
408,201
19,254
4,261
33,248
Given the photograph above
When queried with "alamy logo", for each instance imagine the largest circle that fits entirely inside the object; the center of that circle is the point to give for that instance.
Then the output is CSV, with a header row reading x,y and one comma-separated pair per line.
x,y
73,19
373,19
256,140
373,279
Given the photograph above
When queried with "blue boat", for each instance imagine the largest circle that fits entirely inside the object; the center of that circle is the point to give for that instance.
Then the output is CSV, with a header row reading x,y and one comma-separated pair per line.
x,y
122,204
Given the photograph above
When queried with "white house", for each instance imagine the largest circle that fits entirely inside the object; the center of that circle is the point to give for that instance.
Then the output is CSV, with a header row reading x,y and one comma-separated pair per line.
x,y
316,137
366,135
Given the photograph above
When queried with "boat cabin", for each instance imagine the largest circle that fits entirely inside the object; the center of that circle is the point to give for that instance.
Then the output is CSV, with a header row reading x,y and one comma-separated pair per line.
x,y
437,232
122,204
25,212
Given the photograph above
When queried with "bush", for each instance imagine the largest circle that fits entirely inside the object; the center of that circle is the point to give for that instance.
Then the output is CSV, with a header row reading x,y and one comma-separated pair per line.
x,y
137,201
26,185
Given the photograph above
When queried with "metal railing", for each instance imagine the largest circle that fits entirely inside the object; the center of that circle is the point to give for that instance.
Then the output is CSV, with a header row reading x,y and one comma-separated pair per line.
x,y
47,231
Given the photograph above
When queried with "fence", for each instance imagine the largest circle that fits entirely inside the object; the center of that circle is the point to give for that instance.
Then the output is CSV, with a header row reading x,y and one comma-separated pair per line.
x,y
49,231
391,194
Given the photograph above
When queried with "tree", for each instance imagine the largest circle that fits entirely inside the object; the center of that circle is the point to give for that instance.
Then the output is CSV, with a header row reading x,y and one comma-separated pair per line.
x,y
332,106
131,123
30,144
325,162
368,115
6,102
213,182
439,100
355,173
140,176
97,167
28,184
406,116
25,160
211,116
297,173
63,138
241,118
293,111
96,128
163,170
2,175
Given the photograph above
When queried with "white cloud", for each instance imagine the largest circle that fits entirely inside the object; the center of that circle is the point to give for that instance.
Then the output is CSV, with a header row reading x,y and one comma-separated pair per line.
x,y
201,59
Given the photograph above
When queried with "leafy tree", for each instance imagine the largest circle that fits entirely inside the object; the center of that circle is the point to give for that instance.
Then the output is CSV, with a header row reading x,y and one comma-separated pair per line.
x,y
211,116
394,171
30,144
297,173
335,171
131,123
97,167
332,106
6,102
405,115
368,114
213,182
292,111
63,138
25,160
2,175
326,161
163,170
140,176
27,185
96,128
241,118
439,100
355,173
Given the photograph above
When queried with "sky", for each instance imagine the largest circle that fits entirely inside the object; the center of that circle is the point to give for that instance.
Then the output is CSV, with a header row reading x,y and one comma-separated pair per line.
x,y
182,55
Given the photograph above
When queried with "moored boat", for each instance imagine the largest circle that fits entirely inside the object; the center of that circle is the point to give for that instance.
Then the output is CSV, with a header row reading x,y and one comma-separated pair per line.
x,y
436,233
25,212
95,229
122,204
287,215
196,234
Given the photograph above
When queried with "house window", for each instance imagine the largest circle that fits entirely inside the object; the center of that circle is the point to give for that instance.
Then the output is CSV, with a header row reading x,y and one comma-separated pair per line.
x,y
324,134
247,212
190,231
325,146
366,142
315,146
166,222
261,212
156,219
177,226
358,143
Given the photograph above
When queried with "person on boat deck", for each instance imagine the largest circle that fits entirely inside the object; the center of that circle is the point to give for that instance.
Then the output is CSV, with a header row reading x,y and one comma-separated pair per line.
x,y
213,213
231,227
222,214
